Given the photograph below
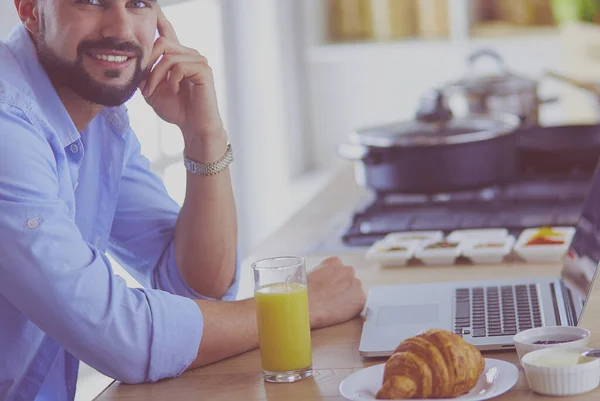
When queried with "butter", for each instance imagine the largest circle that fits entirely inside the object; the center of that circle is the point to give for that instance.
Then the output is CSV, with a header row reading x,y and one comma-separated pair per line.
x,y
561,359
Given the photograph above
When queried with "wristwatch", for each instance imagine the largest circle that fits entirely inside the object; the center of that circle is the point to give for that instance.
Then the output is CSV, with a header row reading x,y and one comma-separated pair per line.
x,y
208,169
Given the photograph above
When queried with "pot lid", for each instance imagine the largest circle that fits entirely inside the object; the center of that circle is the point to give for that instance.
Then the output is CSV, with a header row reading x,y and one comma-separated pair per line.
x,y
501,81
435,125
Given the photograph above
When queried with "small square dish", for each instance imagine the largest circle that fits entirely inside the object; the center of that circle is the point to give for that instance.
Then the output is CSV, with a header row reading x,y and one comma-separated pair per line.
x,y
488,251
544,244
440,252
392,253
417,236
478,234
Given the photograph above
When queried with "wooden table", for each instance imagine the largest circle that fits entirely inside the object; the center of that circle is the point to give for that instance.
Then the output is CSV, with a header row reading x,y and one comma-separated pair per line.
x,y
335,349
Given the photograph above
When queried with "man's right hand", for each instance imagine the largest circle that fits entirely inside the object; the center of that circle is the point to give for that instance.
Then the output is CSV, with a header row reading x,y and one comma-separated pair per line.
x,y
335,295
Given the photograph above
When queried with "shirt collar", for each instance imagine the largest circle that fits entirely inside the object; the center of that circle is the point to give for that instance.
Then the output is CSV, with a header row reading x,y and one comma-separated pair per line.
x,y
21,45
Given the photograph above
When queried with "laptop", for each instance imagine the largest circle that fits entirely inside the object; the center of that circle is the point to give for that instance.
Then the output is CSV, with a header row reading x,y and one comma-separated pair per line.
x,y
489,313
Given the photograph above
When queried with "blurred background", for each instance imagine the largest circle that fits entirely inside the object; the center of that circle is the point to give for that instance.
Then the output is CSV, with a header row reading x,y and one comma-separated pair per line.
x,y
295,77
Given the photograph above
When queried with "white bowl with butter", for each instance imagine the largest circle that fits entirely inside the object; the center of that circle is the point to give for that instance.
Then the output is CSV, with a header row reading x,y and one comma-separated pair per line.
x,y
561,371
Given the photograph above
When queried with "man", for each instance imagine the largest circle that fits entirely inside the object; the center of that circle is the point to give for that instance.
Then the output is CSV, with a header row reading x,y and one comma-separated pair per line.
x,y
74,185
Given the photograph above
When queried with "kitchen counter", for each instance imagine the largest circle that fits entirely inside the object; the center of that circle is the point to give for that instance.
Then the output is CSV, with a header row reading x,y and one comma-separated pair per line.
x,y
335,349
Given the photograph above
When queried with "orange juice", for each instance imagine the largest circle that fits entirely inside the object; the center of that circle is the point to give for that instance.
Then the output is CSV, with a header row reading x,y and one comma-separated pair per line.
x,y
283,327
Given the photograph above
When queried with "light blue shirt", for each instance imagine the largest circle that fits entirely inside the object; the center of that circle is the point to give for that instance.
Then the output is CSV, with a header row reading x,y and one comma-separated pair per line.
x,y
66,198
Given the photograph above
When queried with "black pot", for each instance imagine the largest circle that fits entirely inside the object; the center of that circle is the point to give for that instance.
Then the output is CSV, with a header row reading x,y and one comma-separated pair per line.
x,y
559,148
435,153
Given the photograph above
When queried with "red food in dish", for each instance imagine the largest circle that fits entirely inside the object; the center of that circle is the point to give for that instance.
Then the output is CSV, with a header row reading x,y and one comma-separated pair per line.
x,y
544,241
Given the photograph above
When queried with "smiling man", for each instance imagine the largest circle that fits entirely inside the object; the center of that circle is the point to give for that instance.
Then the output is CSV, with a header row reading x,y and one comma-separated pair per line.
x,y
74,185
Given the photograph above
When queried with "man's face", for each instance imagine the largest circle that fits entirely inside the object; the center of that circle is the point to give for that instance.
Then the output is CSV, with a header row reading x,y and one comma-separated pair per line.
x,y
100,49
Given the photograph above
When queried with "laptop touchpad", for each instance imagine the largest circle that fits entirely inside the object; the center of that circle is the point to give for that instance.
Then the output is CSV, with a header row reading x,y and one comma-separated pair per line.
x,y
407,314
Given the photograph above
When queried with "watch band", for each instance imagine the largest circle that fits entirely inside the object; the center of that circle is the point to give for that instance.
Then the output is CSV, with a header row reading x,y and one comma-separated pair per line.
x,y
209,169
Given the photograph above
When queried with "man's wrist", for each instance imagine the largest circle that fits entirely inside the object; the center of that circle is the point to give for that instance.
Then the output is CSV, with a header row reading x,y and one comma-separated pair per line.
x,y
206,148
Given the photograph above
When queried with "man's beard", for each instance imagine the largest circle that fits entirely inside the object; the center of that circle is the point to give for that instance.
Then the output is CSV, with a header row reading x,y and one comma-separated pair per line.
x,y
74,76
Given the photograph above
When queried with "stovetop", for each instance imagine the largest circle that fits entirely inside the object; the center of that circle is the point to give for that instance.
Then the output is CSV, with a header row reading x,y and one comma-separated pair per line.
x,y
535,199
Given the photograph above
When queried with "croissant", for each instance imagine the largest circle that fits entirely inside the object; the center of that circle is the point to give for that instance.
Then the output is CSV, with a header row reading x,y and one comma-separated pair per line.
x,y
434,364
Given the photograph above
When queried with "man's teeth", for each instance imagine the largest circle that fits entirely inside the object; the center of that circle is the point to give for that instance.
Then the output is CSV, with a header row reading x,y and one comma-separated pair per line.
x,y
111,58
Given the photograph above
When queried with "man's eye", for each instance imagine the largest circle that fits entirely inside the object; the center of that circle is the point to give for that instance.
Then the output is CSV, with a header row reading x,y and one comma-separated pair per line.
x,y
139,4
91,2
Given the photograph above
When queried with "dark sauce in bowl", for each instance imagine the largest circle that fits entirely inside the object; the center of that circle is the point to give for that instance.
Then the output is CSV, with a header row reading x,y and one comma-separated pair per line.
x,y
548,342
556,341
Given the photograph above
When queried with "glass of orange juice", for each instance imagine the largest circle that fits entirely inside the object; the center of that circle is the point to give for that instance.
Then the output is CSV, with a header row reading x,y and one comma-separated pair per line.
x,y
281,298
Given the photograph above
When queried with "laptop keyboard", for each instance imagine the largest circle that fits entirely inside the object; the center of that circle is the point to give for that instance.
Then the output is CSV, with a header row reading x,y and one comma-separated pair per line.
x,y
497,311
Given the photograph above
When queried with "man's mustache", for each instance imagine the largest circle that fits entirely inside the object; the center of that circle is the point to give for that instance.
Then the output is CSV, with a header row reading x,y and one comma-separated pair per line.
x,y
109,44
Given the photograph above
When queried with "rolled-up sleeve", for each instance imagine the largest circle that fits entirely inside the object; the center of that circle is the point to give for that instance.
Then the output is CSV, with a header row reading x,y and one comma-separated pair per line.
x,y
66,286
143,230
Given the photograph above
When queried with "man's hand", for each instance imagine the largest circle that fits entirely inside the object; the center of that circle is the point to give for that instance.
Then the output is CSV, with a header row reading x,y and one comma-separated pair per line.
x,y
180,88
335,295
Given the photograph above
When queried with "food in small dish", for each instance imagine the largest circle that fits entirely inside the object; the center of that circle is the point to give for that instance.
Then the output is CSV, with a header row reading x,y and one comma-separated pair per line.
x,y
558,358
544,241
548,342
550,337
433,364
416,236
443,245
545,244
391,253
488,252
393,248
489,245
561,371
546,236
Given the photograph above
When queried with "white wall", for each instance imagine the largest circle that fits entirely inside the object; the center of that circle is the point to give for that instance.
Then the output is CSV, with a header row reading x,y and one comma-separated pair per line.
x,y
8,17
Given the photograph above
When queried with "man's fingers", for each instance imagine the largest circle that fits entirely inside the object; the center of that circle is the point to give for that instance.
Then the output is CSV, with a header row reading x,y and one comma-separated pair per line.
x,y
164,46
161,71
165,29
176,75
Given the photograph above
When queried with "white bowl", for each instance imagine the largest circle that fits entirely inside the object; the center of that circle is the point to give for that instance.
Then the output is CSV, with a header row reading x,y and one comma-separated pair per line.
x,y
484,234
418,236
544,253
561,380
524,340
488,255
438,256
378,252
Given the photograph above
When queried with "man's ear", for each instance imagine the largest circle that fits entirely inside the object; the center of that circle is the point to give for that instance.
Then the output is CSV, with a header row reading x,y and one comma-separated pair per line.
x,y
29,15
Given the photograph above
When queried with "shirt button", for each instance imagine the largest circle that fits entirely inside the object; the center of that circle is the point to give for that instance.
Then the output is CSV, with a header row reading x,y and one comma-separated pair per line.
x,y
33,223
74,148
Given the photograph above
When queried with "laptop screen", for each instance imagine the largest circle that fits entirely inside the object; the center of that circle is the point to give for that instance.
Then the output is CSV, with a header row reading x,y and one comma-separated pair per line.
x,y
582,259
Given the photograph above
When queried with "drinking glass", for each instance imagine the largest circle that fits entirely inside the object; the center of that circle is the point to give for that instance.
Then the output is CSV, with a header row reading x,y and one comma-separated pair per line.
x,y
283,321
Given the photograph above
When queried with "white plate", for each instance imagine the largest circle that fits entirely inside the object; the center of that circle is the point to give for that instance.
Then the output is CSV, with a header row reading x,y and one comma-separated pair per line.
x,y
497,378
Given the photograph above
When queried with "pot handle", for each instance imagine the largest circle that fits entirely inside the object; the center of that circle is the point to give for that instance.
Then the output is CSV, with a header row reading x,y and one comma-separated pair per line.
x,y
486,52
356,152
352,152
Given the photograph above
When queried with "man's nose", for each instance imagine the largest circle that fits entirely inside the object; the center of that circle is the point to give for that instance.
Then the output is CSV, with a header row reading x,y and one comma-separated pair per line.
x,y
117,23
